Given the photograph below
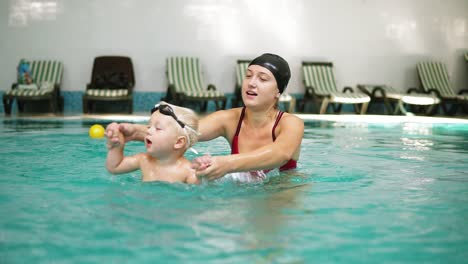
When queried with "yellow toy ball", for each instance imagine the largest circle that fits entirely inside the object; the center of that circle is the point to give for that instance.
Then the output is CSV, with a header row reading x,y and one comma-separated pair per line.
x,y
96,131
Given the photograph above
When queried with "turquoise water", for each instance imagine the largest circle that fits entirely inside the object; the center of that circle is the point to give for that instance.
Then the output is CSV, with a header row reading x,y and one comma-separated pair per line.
x,y
364,193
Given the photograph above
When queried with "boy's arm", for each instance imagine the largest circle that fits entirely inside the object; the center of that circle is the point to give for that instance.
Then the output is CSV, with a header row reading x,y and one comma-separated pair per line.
x,y
116,162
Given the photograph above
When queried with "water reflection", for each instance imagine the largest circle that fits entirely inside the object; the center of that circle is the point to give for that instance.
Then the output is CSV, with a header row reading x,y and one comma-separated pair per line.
x,y
418,142
252,217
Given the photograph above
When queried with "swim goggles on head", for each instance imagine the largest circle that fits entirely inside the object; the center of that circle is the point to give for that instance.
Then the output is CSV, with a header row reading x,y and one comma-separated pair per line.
x,y
167,110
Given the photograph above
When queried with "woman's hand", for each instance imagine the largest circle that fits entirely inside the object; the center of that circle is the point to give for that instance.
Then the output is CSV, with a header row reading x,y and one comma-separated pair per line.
x,y
210,167
129,131
115,138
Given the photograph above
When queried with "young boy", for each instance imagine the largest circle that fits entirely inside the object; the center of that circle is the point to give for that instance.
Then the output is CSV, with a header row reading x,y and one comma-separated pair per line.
x,y
171,131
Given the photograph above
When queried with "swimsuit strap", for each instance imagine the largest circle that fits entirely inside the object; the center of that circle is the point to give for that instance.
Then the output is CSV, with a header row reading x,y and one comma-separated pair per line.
x,y
239,124
280,114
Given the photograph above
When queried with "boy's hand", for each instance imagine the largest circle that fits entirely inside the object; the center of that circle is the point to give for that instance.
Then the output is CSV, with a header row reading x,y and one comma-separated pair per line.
x,y
130,131
210,167
201,163
115,138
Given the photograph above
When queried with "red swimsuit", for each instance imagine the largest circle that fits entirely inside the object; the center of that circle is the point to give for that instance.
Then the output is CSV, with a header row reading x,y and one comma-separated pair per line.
x,y
291,164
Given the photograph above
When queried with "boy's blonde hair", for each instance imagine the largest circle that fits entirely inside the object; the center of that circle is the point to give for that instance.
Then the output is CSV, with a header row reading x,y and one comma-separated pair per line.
x,y
189,118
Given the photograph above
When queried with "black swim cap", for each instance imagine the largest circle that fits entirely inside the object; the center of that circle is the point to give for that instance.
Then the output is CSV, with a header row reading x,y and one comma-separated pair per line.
x,y
277,65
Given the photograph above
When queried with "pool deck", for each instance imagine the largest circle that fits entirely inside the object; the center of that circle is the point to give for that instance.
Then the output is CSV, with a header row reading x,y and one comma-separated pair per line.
x,y
143,117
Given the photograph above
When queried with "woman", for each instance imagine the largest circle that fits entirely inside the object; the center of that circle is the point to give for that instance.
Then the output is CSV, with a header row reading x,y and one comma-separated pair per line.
x,y
261,136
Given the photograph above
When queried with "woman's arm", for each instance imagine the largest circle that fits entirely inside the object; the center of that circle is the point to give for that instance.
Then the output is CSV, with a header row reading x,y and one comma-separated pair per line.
x,y
269,156
214,124
210,127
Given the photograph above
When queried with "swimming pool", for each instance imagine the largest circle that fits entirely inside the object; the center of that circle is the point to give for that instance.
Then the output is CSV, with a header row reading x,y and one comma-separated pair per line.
x,y
365,192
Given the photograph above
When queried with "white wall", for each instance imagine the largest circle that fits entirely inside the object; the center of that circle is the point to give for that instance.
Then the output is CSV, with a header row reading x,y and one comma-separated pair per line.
x,y
370,41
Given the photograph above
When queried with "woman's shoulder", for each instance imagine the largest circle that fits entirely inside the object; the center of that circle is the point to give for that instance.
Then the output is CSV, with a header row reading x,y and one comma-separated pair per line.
x,y
291,122
228,114
292,118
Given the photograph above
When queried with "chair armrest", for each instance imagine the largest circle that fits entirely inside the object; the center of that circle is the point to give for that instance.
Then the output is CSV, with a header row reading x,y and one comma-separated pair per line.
x,y
211,87
463,91
347,88
379,89
309,91
434,91
415,90
363,89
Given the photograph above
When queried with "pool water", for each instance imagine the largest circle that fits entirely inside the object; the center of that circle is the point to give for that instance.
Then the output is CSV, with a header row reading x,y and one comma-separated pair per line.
x,y
364,193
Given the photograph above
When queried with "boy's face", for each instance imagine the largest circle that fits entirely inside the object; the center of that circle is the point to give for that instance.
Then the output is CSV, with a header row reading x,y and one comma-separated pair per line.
x,y
162,135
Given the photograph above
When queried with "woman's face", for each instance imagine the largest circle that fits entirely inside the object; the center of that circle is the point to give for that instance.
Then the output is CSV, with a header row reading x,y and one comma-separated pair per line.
x,y
259,87
162,135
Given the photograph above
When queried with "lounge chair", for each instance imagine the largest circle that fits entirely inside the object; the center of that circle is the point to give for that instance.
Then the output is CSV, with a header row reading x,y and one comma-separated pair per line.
x,y
46,81
241,68
320,87
435,79
394,100
112,80
186,83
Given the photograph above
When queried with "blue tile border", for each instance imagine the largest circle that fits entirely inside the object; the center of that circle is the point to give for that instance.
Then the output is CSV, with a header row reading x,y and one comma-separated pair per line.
x,y
142,102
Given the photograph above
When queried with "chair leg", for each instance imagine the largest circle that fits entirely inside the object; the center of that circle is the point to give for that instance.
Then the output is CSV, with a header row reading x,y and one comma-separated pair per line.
x,y
224,105
7,104
337,108
292,105
130,107
85,106
453,109
53,105
432,109
324,106
20,106
449,111
388,107
357,110
400,108
301,105
364,108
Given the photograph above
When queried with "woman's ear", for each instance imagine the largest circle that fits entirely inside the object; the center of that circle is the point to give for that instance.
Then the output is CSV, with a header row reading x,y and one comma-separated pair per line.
x,y
278,95
180,143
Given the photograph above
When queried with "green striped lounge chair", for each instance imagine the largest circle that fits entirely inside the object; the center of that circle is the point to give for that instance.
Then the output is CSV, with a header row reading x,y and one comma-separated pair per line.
x,y
111,86
186,84
47,78
395,101
434,79
320,87
241,69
